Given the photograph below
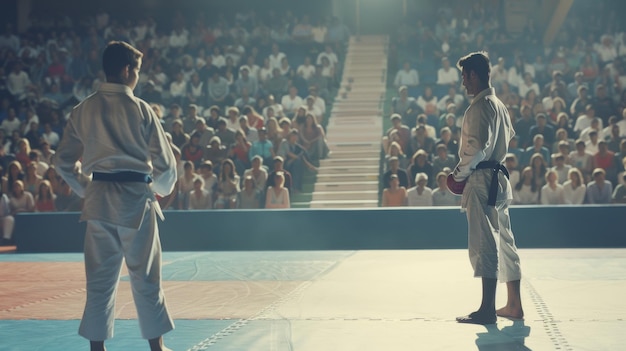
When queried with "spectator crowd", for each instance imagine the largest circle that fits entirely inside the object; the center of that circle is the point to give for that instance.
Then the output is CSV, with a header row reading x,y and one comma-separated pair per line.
x,y
567,102
243,98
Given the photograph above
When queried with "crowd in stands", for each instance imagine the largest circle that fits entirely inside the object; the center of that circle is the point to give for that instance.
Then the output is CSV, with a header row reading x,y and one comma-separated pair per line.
x,y
244,100
567,102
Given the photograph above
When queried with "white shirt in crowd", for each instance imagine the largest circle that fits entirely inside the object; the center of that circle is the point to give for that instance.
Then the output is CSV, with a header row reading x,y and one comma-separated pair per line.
x,y
408,78
291,105
306,71
415,199
525,196
573,196
451,76
551,196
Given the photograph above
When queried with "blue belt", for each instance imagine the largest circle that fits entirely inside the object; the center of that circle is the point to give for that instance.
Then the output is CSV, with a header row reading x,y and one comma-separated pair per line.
x,y
124,176
495,166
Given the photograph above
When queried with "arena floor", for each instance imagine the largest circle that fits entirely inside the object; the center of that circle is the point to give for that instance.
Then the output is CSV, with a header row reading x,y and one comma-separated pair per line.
x,y
328,300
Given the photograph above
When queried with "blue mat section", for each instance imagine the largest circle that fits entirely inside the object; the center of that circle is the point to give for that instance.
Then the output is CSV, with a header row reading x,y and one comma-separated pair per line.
x,y
48,257
63,336
220,266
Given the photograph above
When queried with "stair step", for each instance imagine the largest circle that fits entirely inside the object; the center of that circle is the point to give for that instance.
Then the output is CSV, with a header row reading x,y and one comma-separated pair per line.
x,y
351,186
345,195
344,204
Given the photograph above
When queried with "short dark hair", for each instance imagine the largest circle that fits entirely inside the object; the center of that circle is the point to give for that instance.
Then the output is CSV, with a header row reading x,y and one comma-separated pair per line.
x,y
477,62
117,55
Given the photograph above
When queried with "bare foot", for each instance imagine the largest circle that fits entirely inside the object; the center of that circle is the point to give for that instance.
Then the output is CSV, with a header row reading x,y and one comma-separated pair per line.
x,y
511,312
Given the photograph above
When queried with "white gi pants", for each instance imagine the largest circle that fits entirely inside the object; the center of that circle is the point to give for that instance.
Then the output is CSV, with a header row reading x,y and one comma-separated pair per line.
x,y
105,246
492,249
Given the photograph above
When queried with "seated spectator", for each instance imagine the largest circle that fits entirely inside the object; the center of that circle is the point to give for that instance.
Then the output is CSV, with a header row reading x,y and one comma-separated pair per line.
x,y
31,178
584,121
619,194
14,173
394,195
526,192
402,131
296,159
306,70
313,139
226,135
537,148
185,184
394,168
594,127
255,120
523,125
251,133
428,102
199,197
257,172
443,160
262,147
442,196
232,120
406,107
580,103
605,159
406,77
539,167
179,137
562,137
419,164
552,193
7,221
22,151
420,195
510,162
216,152
44,200
247,82
279,167
33,135
218,91
574,189
527,85
244,99
542,127
227,186
249,197
277,85
451,98
321,82
600,190
421,141
614,140
445,138
20,200
193,151
209,178
40,167
196,90
395,150
291,102
277,195
582,159
592,145
428,122
561,169
178,89
447,75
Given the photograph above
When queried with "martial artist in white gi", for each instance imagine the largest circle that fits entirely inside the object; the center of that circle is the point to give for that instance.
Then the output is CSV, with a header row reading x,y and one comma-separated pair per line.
x,y
483,180
122,145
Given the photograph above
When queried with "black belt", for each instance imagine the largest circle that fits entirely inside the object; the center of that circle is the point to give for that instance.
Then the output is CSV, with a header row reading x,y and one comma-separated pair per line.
x,y
124,176
495,166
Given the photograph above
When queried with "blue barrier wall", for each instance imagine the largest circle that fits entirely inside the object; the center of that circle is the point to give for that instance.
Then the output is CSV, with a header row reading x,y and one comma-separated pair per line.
x,y
372,229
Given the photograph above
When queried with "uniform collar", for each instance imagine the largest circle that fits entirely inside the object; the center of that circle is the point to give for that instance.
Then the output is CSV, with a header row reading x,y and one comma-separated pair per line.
x,y
482,94
115,88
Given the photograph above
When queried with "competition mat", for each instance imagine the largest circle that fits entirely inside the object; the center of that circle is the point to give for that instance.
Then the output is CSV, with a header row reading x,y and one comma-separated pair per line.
x,y
327,300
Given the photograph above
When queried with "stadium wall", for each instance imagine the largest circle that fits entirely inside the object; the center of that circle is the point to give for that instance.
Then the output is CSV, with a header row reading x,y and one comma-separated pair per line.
x,y
371,229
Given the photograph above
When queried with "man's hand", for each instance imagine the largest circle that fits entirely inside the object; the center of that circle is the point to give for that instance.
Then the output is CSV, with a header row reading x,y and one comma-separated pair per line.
x,y
454,186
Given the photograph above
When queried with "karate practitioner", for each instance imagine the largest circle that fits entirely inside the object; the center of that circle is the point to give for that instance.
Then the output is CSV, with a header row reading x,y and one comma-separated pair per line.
x,y
482,179
122,145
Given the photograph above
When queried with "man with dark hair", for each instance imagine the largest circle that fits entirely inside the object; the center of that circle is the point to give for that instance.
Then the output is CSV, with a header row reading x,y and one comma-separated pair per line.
x,y
121,143
482,179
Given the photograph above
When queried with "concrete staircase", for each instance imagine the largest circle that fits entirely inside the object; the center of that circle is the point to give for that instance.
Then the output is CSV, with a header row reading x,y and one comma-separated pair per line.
x,y
349,176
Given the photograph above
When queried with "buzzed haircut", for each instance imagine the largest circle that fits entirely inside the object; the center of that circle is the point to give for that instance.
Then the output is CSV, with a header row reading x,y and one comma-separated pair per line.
x,y
477,62
117,55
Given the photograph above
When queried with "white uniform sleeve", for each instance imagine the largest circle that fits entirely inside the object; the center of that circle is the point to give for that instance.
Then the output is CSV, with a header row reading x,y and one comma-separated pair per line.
x,y
475,134
163,161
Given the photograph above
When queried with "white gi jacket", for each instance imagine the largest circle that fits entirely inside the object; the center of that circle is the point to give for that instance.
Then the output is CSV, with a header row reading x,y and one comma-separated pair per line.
x,y
484,138
109,136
